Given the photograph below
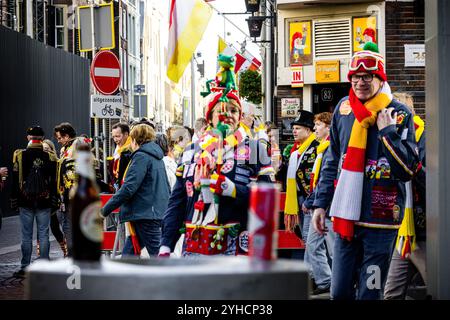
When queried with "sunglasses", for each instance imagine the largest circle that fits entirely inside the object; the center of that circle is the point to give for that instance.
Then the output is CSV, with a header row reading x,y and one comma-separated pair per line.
x,y
369,63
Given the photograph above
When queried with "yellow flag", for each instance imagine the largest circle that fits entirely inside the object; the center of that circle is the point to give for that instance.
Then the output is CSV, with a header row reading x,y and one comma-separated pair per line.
x,y
188,22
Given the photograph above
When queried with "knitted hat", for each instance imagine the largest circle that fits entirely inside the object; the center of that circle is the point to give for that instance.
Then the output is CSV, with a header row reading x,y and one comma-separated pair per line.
x,y
215,100
368,60
371,33
35,131
305,119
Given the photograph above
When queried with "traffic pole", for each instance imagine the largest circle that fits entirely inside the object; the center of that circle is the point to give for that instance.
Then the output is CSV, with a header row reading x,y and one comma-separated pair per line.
x,y
96,123
140,110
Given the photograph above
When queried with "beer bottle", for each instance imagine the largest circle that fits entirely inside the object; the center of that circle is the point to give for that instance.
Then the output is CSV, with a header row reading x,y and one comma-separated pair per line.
x,y
87,225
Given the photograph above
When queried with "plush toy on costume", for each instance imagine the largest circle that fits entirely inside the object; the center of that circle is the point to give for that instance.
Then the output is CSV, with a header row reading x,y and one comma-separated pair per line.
x,y
225,80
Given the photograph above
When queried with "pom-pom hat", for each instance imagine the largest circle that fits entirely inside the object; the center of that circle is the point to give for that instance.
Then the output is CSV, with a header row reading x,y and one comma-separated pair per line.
x,y
368,60
215,100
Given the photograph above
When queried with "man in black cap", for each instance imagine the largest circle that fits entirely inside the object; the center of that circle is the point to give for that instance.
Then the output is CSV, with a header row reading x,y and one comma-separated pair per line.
x,y
301,162
34,193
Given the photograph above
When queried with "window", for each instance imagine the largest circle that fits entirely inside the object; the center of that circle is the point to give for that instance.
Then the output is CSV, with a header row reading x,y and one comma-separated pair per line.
x,y
60,28
133,36
332,38
132,79
124,23
124,69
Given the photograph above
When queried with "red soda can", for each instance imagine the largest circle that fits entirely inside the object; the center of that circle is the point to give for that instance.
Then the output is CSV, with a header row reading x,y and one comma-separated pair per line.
x,y
263,220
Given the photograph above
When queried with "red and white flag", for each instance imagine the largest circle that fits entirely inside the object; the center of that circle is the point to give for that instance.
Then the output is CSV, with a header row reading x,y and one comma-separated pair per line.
x,y
246,62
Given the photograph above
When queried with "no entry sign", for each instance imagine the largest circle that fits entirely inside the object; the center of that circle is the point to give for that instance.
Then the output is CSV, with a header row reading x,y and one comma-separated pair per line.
x,y
105,72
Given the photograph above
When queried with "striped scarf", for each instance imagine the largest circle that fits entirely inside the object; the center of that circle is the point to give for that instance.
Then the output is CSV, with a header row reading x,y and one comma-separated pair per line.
x,y
321,148
130,225
406,238
117,154
214,152
291,206
346,205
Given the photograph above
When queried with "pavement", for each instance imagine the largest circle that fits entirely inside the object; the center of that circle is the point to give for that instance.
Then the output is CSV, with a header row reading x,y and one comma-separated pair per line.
x,y
12,288
10,238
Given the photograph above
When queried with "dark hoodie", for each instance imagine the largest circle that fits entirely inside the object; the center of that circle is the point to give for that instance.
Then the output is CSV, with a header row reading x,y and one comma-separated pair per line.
x,y
145,192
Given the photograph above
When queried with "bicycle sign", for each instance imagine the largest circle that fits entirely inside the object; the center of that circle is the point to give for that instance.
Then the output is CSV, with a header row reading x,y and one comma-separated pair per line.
x,y
107,110
108,107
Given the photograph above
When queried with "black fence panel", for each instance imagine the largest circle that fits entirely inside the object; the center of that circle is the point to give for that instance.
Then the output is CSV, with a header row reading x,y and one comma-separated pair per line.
x,y
40,85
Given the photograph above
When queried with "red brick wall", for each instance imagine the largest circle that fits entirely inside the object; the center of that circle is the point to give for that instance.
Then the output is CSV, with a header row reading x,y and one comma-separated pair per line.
x,y
404,26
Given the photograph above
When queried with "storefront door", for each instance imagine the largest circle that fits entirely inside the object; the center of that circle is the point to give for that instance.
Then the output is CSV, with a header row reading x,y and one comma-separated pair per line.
x,y
327,96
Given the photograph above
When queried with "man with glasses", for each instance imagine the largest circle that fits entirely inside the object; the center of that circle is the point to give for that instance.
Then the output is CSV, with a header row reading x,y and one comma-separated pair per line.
x,y
369,129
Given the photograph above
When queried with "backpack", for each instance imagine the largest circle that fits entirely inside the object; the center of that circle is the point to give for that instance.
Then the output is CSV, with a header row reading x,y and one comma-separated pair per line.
x,y
36,185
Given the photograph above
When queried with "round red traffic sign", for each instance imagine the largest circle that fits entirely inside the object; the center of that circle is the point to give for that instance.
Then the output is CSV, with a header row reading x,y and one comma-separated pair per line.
x,y
105,72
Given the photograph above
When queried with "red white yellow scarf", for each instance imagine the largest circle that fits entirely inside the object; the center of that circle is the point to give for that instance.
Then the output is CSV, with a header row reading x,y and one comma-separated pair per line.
x,y
347,200
117,154
213,154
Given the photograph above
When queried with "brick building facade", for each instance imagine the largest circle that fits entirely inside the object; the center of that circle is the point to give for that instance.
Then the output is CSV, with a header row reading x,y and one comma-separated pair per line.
x,y
405,25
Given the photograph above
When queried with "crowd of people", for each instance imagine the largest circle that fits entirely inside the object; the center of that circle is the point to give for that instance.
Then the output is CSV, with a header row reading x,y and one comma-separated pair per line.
x,y
354,183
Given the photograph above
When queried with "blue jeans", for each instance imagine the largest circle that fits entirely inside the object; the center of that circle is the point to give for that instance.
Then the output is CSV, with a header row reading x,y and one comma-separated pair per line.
x,y
66,222
149,235
306,222
27,217
364,261
316,254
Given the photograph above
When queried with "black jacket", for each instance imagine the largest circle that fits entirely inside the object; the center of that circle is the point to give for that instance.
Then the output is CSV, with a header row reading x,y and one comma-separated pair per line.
x,y
24,162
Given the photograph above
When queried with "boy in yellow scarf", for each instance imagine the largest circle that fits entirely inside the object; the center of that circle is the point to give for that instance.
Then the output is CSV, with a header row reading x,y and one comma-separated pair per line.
x,y
318,245
372,154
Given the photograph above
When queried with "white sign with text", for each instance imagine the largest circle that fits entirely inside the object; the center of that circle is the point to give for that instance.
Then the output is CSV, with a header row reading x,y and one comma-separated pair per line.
x,y
290,107
414,55
109,107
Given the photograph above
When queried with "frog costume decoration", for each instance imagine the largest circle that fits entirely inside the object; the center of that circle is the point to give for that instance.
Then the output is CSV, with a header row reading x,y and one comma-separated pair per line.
x,y
225,79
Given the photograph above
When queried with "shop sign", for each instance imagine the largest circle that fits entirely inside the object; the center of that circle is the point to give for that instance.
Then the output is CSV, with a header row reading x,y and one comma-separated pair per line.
x,y
297,77
327,71
290,107
414,55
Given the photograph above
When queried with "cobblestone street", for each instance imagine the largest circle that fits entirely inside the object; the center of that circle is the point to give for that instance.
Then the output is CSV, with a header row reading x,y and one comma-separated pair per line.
x,y
12,288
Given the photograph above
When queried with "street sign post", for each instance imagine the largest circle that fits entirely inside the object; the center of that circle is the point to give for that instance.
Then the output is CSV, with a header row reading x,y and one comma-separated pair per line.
x,y
106,107
139,88
101,19
105,72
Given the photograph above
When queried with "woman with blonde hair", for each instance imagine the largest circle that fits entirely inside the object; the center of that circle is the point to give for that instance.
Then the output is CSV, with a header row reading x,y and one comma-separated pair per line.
x,y
144,194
